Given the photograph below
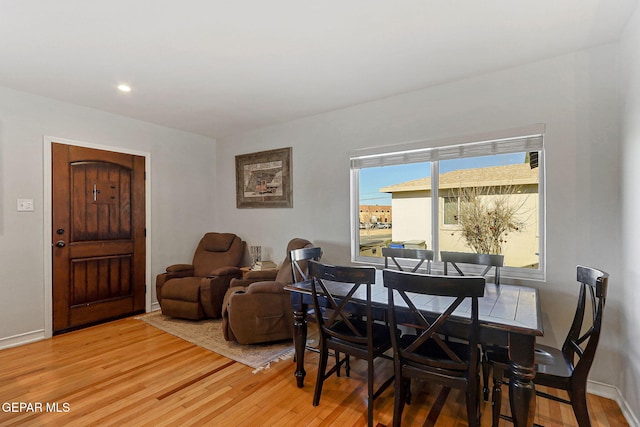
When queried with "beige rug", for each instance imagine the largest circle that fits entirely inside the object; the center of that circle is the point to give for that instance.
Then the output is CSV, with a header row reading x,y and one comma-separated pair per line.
x,y
208,334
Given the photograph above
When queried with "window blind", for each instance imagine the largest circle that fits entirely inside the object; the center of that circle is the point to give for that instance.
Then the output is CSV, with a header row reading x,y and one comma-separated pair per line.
x,y
426,152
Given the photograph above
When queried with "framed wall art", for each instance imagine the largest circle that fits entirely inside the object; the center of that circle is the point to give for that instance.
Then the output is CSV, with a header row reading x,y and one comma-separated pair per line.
x,y
263,179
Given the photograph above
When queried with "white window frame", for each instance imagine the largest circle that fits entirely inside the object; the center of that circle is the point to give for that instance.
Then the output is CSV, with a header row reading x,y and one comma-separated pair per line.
x,y
524,139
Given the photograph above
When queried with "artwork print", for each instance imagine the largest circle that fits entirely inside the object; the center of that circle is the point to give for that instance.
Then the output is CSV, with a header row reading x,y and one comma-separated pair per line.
x,y
263,179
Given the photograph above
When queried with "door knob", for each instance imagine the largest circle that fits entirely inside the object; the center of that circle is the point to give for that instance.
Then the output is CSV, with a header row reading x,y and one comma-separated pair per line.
x,y
61,243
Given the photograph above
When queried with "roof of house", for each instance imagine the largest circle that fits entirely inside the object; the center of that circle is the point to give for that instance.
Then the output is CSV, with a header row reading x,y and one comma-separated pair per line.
x,y
518,174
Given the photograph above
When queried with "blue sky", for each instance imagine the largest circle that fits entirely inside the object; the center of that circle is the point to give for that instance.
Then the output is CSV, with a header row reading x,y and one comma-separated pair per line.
x,y
372,179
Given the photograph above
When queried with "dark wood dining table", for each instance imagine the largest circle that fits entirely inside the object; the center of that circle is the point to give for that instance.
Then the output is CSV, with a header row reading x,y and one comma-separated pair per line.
x,y
509,316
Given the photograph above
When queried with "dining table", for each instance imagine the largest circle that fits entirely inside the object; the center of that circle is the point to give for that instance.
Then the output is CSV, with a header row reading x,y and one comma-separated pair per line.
x,y
510,317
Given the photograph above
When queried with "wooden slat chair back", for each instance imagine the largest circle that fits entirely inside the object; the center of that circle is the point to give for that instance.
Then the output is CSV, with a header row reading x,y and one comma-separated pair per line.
x,y
335,288
488,260
299,262
421,255
566,368
581,347
426,355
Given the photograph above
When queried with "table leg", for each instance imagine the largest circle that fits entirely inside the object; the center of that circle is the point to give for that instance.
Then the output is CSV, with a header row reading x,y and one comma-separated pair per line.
x,y
522,392
300,340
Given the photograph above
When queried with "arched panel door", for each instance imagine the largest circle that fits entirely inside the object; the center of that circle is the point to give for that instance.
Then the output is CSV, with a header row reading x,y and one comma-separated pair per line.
x,y
98,237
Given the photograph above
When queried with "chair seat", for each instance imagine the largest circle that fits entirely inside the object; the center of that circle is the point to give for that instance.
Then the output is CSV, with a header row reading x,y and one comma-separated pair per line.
x,y
431,350
551,361
381,336
183,289
432,354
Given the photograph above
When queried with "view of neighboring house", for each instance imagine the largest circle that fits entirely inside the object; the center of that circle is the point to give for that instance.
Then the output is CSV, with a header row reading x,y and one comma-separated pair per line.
x,y
412,208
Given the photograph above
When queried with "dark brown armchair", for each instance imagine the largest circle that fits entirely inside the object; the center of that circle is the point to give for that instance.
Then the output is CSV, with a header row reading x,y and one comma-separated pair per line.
x,y
195,291
257,309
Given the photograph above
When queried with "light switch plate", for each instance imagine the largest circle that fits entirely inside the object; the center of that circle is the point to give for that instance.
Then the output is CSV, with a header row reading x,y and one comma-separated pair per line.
x,y
25,205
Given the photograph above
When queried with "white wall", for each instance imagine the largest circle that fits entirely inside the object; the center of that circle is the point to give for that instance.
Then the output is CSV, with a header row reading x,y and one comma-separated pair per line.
x,y
183,191
574,95
629,284
411,217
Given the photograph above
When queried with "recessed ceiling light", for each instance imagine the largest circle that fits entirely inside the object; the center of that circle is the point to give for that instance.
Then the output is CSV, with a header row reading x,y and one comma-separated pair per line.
x,y
124,88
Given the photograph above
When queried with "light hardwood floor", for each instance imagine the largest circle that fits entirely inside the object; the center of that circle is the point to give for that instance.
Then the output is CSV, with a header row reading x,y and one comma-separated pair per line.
x,y
127,373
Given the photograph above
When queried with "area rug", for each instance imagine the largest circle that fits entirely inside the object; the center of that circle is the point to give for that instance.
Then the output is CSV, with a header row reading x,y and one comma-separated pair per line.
x,y
208,334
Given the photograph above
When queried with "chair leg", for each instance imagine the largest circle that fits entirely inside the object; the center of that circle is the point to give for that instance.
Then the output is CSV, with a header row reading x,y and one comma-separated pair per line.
x,y
580,409
347,365
486,370
322,368
473,407
472,394
370,392
496,399
337,355
399,398
471,410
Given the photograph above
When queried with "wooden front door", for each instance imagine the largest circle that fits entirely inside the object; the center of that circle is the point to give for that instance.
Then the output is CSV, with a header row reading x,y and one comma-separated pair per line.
x,y
98,228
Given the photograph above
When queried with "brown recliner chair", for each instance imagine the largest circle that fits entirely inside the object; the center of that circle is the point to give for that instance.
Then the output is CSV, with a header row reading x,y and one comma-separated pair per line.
x,y
257,309
195,291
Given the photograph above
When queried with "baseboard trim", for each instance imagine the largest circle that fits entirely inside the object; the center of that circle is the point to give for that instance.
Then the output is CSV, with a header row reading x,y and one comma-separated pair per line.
x,y
613,393
39,335
21,339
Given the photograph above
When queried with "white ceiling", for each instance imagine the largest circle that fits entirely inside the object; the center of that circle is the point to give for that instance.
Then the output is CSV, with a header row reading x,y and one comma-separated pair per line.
x,y
217,67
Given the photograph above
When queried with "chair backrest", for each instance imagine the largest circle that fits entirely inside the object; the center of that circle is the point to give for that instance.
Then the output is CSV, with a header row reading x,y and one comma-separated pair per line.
x,y
337,287
217,250
421,255
578,345
431,328
299,261
284,270
488,260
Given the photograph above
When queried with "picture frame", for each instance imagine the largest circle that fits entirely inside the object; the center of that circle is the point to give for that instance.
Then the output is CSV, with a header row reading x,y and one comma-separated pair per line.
x,y
263,179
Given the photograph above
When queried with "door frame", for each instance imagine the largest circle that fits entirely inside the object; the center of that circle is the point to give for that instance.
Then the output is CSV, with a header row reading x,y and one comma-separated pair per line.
x,y
48,212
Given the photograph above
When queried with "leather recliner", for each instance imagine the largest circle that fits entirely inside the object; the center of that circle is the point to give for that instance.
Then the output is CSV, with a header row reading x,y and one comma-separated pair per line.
x,y
257,309
196,291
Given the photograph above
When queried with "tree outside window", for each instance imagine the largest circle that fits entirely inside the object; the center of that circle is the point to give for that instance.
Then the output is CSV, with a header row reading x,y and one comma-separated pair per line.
x,y
485,197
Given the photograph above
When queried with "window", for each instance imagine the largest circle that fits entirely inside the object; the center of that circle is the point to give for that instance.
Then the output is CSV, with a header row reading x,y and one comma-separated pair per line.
x,y
482,194
451,210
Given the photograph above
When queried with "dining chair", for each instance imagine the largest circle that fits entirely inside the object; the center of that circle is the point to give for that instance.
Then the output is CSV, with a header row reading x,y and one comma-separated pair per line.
x,y
394,254
487,260
336,287
421,255
300,272
426,355
566,368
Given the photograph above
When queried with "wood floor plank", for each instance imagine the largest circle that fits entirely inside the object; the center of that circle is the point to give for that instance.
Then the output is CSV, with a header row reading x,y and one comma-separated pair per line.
x,y
128,373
